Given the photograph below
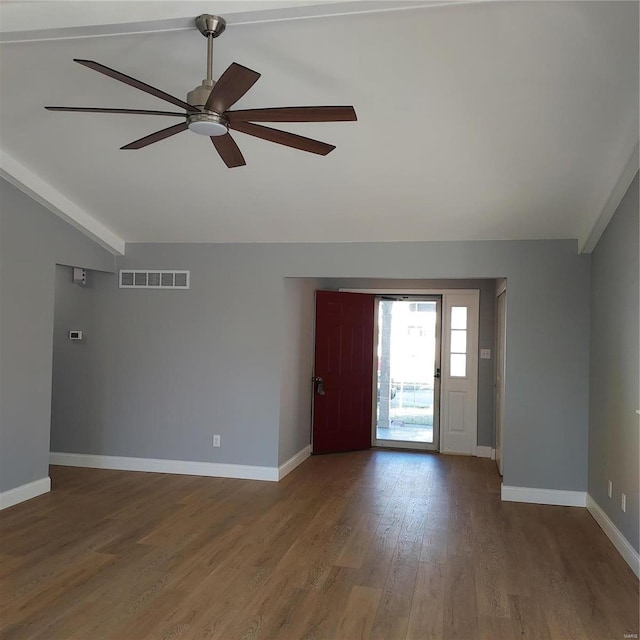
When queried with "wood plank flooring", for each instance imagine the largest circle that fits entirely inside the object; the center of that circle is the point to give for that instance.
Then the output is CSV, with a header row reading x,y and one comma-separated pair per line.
x,y
372,544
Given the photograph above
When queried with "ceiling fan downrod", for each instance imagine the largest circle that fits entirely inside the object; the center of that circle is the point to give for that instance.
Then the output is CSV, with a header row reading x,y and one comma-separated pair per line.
x,y
210,27
209,58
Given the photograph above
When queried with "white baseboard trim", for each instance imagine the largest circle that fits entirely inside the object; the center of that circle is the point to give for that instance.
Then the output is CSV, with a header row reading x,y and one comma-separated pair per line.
x,y
293,462
485,452
544,496
24,492
624,547
183,467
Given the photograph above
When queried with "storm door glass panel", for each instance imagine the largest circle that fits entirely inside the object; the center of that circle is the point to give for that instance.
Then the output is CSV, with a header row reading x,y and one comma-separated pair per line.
x,y
407,347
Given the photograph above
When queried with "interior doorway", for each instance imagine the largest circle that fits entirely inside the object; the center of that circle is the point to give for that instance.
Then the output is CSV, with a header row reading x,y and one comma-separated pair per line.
x,y
408,372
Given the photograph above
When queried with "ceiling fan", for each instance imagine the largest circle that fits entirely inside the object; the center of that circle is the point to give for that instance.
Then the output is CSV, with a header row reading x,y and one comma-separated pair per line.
x,y
206,110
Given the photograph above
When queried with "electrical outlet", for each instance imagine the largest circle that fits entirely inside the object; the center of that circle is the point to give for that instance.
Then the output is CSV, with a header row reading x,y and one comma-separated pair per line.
x,y
216,441
610,489
623,504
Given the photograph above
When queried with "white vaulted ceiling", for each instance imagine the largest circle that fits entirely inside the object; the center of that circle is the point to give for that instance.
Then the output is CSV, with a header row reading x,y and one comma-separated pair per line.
x,y
476,120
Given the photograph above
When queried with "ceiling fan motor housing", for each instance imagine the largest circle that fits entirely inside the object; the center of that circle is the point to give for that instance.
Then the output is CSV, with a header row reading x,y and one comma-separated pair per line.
x,y
199,96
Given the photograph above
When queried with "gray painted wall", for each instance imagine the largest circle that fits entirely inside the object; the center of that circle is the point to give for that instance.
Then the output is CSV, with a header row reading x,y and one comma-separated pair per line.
x,y
75,368
298,309
32,241
614,381
177,367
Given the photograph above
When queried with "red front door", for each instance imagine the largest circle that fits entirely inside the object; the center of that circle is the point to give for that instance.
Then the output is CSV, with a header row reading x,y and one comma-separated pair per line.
x,y
344,363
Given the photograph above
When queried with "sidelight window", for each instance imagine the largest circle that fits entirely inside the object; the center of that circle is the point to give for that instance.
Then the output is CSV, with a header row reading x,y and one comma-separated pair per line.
x,y
458,343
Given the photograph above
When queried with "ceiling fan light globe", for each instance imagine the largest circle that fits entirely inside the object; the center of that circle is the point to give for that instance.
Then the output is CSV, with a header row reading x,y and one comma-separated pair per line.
x,y
208,128
208,124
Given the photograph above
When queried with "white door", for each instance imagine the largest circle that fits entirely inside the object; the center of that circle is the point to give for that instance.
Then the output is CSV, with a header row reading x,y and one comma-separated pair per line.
x,y
501,343
459,426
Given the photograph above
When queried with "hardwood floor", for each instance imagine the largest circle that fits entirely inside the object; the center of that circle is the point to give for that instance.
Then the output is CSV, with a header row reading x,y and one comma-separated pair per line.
x,y
371,544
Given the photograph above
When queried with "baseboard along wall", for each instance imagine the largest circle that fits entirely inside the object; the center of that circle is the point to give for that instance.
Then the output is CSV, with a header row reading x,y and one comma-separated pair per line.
x,y
24,492
295,460
544,496
213,469
485,452
182,467
623,546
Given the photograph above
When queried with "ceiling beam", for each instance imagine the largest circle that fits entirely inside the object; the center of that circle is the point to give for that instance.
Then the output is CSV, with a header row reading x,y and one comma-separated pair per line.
x,y
48,196
587,243
93,26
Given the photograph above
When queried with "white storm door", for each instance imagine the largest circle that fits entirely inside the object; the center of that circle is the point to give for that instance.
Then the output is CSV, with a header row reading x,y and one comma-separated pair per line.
x,y
459,410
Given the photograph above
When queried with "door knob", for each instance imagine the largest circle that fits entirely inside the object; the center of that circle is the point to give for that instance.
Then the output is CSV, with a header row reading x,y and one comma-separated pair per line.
x,y
319,382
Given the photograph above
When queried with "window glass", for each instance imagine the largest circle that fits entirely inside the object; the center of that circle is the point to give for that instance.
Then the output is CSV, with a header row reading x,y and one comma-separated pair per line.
x,y
458,341
458,317
458,368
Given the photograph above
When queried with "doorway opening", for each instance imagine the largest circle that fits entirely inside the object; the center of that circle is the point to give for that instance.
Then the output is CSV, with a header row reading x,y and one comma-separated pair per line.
x,y
408,372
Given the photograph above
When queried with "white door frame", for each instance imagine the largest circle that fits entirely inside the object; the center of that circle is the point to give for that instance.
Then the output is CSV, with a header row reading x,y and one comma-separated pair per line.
x,y
500,379
472,362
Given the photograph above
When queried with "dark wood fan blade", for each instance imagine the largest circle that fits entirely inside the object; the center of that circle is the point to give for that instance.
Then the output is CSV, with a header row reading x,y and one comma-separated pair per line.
x,y
228,149
293,114
156,137
143,112
231,86
283,137
147,88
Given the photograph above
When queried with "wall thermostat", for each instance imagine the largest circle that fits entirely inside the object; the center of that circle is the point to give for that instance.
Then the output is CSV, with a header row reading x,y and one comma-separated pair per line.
x,y
75,334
